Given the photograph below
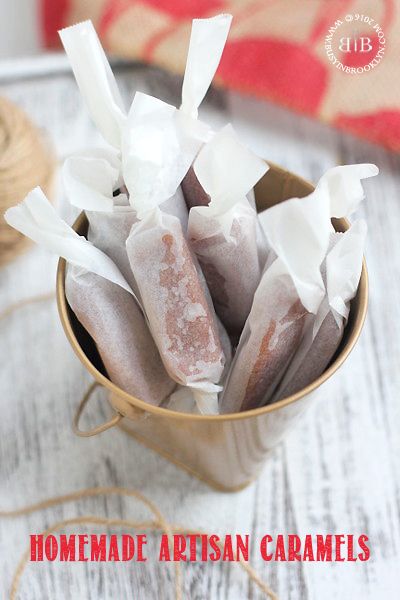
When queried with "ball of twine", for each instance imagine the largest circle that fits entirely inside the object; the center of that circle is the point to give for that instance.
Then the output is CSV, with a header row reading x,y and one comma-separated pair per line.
x,y
25,162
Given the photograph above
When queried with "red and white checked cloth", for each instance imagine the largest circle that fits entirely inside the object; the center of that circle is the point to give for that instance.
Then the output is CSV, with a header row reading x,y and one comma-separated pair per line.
x,y
276,50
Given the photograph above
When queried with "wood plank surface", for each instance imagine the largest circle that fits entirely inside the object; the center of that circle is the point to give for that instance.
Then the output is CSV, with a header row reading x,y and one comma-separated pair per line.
x,y
337,472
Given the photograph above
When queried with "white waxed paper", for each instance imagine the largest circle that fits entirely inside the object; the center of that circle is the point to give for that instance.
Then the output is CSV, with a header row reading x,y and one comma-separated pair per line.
x,y
344,187
223,234
337,194
36,218
207,41
160,141
159,145
95,79
341,273
90,179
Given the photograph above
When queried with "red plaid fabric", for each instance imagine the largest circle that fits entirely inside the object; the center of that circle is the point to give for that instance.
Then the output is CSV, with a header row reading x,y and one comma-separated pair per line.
x,y
276,50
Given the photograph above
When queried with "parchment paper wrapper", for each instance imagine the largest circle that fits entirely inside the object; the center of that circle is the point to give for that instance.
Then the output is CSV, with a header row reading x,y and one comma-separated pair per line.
x,y
161,142
207,42
95,80
102,300
223,234
93,182
341,272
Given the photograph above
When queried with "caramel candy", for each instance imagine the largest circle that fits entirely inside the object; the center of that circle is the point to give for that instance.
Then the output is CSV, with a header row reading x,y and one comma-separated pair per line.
x,y
108,231
271,336
115,322
317,359
193,191
181,319
231,266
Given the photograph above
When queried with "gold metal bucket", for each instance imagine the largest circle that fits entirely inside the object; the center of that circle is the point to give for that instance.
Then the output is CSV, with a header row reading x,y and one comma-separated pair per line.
x,y
225,451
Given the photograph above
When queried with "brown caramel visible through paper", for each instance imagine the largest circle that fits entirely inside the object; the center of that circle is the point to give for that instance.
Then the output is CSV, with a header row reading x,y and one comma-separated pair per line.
x,y
193,337
270,360
193,191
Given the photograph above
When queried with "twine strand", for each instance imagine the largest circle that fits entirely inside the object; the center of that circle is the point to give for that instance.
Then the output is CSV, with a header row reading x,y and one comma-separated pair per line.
x,y
160,523
7,312
26,161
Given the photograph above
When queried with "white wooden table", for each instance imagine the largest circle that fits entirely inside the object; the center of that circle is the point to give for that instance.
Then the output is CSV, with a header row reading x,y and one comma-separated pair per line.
x,y
338,472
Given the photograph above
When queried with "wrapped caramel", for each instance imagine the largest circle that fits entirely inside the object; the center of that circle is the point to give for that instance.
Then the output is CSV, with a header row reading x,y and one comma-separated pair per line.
x,y
341,272
271,335
162,142
158,147
341,190
101,299
113,319
182,322
223,234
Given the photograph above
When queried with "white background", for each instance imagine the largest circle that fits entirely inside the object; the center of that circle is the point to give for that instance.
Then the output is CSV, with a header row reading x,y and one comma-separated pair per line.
x,y
19,28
